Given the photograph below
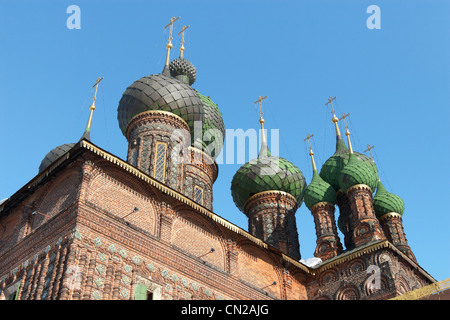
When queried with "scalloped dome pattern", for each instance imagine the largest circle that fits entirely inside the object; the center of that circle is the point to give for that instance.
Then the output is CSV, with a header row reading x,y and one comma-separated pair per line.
x,y
386,202
261,174
319,191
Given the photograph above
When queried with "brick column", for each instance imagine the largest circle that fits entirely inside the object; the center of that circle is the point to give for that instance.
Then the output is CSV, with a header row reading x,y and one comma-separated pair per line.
x,y
328,242
392,225
365,225
271,218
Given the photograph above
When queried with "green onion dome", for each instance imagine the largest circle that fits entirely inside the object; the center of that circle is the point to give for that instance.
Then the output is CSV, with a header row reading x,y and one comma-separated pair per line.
x,y
358,171
267,173
332,168
160,92
319,191
54,154
213,129
386,202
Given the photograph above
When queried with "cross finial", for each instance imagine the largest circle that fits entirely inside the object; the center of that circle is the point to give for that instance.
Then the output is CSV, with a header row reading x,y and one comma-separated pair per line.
x,y
311,153
368,150
182,40
330,101
260,99
347,132
343,118
169,43
308,137
87,131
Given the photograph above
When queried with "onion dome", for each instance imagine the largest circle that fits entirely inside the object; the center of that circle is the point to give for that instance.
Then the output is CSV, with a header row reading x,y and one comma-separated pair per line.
x,y
386,202
183,70
318,190
212,141
332,168
54,154
267,173
358,171
160,92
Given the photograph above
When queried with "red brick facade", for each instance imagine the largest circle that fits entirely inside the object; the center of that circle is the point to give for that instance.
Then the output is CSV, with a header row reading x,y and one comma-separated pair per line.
x,y
91,226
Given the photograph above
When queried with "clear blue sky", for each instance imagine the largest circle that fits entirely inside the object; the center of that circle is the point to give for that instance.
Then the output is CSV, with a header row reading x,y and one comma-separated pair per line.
x,y
393,81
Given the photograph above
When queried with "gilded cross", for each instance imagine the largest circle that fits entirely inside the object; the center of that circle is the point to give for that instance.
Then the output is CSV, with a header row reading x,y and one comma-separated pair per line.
x,y
260,99
368,150
182,40
330,101
169,43
308,137
311,153
343,117
172,20
95,94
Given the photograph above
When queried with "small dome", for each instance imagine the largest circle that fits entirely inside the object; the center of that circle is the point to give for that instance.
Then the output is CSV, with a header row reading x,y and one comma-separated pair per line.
x,y
386,202
319,191
211,143
54,154
183,70
265,174
358,171
160,92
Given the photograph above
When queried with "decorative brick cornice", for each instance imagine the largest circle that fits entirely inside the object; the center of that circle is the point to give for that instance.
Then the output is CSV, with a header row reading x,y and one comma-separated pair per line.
x,y
358,187
155,116
390,215
270,196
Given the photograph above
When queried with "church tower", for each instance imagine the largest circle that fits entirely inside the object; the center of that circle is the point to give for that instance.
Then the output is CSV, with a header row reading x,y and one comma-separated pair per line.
x,y
174,133
320,198
268,190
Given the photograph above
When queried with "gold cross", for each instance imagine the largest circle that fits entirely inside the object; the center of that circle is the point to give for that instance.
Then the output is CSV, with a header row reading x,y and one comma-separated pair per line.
x,y
308,137
343,117
171,26
169,43
368,150
95,94
311,153
182,40
260,99
330,101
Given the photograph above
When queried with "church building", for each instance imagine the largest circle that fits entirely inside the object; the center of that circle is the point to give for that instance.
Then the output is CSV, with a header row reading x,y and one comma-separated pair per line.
x,y
92,226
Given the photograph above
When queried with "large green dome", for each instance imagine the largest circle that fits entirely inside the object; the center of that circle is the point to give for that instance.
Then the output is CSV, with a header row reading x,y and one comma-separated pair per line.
x,y
386,202
264,174
358,171
319,191
213,140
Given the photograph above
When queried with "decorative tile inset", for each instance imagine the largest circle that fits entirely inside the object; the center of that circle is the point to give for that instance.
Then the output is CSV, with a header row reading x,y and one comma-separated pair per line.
x,y
123,253
100,269
97,241
124,293
96,294
136,259
112,248
102,256
127,268
151,267
98,282
126,280
165,273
